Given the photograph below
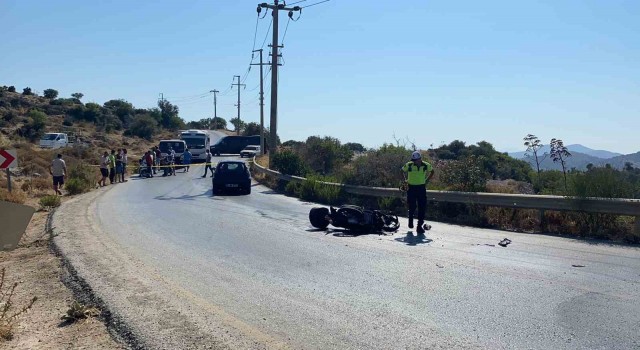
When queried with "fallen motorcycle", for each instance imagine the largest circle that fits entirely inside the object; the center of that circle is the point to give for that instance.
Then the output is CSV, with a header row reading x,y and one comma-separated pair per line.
x,y
353,218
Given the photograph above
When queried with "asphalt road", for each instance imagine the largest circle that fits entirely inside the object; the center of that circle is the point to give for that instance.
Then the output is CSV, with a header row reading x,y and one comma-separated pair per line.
x,y
254,265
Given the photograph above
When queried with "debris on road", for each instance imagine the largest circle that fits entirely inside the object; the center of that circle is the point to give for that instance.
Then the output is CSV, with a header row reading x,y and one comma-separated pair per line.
x,y
576,265
440,266
505,242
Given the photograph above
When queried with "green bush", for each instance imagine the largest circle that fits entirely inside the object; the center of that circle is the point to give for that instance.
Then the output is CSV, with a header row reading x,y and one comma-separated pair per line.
x,y
143,126
50,201
80,179
50,93
289,162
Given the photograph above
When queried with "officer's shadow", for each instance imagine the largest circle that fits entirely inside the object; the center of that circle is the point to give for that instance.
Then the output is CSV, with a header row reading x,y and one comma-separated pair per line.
x,y
414,240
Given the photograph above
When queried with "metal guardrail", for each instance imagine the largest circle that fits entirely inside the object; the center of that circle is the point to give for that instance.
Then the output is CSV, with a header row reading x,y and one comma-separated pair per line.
x,y
616,206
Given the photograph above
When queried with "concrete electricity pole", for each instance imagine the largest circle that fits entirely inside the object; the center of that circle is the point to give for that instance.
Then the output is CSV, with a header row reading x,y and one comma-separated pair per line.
x,y
238,85
215,108
273,126
262,148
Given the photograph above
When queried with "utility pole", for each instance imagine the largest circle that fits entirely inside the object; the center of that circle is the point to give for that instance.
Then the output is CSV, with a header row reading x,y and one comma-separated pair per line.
x,y
238,85
215,109
273,126
262,148
161,97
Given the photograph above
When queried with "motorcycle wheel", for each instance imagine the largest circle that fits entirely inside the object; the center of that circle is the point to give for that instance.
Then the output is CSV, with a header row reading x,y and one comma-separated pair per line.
x,y
318,217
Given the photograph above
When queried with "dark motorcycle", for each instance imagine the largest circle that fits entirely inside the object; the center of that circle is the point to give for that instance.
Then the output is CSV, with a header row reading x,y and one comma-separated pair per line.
x,y
354,218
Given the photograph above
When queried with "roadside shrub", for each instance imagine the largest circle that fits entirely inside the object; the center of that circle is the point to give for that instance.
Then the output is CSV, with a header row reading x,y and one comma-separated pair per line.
x,y
50,201
77,186
289,162
18,197
80,179
144,126
39,184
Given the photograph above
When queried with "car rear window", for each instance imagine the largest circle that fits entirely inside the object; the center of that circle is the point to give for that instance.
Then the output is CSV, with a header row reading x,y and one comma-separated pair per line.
x,y
231,168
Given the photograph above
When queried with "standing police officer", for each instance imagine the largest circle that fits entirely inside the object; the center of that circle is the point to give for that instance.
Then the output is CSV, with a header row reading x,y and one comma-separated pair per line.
x,y
418,173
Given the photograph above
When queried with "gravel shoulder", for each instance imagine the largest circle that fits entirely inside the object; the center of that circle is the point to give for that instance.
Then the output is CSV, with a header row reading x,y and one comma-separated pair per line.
x,y
42,274
145,309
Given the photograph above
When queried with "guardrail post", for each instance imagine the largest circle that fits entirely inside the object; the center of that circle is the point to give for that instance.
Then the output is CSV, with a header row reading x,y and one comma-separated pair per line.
x,y
637,226
541,220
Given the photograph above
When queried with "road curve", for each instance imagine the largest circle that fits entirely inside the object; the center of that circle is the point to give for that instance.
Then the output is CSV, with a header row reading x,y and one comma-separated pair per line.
x,y
185,269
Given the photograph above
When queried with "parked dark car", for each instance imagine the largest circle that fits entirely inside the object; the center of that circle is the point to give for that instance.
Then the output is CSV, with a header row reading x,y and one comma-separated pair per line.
x,y
231,176
233,144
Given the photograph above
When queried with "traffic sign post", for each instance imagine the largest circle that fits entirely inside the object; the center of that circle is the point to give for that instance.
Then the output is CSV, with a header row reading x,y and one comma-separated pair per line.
x,y
8,160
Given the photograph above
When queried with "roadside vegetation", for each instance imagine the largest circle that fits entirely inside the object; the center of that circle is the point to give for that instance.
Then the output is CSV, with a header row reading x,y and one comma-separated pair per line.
x,y
460,167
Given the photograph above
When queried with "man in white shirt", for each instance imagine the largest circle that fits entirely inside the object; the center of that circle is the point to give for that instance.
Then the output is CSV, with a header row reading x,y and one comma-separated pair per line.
x,y
58,170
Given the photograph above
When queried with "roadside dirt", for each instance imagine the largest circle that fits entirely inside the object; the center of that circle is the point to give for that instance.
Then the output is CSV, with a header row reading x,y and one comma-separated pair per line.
x,y
40,273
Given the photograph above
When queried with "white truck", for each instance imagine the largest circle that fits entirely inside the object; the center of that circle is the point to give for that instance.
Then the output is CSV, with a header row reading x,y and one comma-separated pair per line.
x,y
54,140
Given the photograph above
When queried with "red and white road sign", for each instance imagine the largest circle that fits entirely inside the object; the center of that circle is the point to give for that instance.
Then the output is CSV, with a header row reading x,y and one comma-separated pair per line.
x,y
8,159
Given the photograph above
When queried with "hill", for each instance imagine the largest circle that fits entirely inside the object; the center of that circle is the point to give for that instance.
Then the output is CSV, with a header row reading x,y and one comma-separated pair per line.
x,y
581,156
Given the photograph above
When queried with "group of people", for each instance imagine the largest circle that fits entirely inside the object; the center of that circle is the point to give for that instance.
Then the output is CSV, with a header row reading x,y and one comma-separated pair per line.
x,y
113,166
152,162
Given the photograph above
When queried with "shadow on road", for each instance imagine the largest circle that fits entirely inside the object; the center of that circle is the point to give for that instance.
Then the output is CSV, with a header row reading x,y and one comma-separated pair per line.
x,y
185,197
410,239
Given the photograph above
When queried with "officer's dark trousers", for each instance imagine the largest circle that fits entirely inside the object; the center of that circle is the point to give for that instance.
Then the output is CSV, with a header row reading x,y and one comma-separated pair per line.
x,y
417,196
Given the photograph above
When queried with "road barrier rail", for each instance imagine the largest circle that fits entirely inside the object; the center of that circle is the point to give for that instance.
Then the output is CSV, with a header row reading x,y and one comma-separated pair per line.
x,y
615,206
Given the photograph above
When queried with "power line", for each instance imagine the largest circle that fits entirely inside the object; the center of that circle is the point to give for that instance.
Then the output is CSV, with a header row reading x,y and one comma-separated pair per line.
x,y
317,3
267,35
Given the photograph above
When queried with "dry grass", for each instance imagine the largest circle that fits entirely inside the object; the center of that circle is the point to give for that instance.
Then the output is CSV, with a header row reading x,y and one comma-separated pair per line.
x,y
15,196
8,313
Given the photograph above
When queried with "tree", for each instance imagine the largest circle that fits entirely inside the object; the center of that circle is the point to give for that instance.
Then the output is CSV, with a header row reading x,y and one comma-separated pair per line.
x,y
51,93
324,155
122,109
11,88
143,126
560,153
169,118
355,147
219,123
289,162
251,129
238,124
464,175
534,145
77,95
27,91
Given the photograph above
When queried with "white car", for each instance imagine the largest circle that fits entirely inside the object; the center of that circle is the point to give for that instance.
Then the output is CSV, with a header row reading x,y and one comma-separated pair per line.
x,y
250,151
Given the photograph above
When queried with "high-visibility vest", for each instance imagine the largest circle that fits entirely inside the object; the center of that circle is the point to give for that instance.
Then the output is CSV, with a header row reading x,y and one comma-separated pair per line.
x,y
417,174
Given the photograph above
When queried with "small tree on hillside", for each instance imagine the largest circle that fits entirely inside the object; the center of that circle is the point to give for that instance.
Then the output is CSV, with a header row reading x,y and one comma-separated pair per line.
x,y
27,91
533,144
11,88
559,154
218,123
238,124
51,93
77,95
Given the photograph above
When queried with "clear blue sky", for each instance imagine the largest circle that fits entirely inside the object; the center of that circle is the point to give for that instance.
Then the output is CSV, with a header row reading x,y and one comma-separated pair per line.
x,y
361,71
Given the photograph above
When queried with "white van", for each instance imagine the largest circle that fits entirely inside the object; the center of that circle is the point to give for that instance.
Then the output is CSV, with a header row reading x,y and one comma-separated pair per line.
x,y
54,140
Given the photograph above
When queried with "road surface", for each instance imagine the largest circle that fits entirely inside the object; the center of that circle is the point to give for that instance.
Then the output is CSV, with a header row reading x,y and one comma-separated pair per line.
x,y
185,269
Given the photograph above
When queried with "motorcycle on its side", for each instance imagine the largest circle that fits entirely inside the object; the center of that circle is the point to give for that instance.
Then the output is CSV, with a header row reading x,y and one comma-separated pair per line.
x,y
353,218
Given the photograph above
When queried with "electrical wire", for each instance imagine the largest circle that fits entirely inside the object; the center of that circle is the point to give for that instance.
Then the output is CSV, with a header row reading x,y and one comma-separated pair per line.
x,y
285,31
317,3
266,36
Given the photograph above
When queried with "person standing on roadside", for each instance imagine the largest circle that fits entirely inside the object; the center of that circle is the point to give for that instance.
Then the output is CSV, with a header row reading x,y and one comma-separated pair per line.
x,y
186,160
119,169
157,154
112,166
148,158
58,170
104,169
207,164
125,161
417,174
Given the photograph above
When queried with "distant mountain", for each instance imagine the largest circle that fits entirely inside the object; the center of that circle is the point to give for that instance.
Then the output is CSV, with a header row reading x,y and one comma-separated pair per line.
x,y
602,154
593,152
581,160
